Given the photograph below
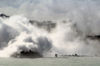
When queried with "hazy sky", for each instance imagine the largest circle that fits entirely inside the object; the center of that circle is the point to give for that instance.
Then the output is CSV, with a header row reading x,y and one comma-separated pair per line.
x,y
47,9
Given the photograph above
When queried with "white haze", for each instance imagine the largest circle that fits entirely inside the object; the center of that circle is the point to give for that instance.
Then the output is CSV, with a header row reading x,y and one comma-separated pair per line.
x,y
16,34
51,9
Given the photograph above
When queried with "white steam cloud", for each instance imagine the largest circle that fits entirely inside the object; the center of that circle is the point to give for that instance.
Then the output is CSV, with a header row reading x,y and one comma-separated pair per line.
x,y
23,37
17,34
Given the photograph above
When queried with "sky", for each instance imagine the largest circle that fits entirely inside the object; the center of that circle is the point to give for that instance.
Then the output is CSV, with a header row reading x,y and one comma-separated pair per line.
x,y
48,9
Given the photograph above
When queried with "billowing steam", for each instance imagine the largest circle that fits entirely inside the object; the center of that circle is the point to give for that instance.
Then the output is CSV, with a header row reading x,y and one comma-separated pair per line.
x,y
23,37
20,37
79,33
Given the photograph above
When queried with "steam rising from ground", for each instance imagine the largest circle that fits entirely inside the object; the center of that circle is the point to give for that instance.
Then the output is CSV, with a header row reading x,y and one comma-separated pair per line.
x,y
23,37
68,37
17,34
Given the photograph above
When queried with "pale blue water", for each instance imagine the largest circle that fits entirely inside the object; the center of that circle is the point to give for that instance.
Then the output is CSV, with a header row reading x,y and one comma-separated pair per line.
x,y
70,61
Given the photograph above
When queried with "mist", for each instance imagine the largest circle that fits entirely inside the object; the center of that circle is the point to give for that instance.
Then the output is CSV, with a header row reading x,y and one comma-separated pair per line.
x,y
76,22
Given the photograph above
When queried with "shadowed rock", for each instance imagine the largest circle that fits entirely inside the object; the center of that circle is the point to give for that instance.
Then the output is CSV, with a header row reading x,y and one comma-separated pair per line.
x,y
48,25
4,16
27,54
94,37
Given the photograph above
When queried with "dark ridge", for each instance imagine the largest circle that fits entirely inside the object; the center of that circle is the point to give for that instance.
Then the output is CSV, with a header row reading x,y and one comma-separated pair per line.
x,y
27,54
74,55
94,37
48,25
4,16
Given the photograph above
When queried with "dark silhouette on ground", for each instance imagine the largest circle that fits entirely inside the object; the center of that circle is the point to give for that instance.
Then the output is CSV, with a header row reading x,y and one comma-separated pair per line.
x,y
27,54
73,55
56,55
